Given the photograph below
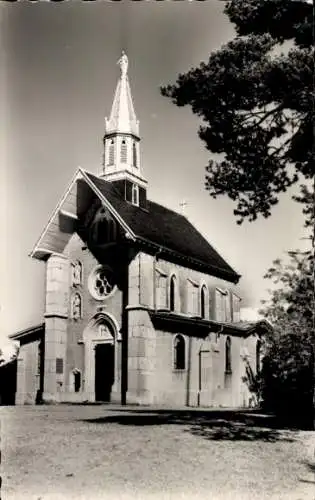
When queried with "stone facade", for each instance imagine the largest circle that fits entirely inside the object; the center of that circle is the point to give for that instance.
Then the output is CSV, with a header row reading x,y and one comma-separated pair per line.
x,y
27,383
152,378
82,333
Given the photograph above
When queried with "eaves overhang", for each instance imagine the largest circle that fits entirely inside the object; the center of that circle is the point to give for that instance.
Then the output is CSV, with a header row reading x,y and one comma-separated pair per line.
x,y
29,334
218,272
52,239
195,325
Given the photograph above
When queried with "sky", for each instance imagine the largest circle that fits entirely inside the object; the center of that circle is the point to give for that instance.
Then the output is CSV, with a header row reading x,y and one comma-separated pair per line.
x,y
57,84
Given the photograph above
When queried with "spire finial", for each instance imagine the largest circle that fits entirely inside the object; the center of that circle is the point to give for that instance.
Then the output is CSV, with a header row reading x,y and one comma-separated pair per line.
x,y
123,63
122,117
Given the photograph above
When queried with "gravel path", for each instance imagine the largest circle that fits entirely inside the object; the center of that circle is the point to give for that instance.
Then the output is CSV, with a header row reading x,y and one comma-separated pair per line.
x,y
101,452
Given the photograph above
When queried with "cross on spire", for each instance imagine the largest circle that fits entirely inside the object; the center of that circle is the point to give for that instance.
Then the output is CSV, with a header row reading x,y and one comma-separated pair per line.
x,y
183,205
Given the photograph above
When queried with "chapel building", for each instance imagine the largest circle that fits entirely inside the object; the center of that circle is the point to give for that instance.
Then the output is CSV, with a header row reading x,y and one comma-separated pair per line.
x,y
139,307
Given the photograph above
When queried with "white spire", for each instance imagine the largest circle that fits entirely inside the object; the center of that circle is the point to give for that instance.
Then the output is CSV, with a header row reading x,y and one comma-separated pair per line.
x,y
121,158
122,117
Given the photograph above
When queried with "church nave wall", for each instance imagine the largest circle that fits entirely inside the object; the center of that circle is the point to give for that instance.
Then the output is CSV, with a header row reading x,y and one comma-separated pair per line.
x,y
154,287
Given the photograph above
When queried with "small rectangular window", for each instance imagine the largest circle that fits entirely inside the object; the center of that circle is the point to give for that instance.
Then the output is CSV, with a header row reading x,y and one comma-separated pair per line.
x,y
111,153
77,381
59,366
179,353
123,152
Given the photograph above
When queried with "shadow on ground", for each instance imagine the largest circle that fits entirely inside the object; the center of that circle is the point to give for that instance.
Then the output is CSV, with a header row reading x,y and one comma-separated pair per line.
x,y
310,478
215,425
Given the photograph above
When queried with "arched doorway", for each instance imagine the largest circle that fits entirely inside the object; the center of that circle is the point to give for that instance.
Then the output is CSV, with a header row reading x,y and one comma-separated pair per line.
x,y
100,339
104,364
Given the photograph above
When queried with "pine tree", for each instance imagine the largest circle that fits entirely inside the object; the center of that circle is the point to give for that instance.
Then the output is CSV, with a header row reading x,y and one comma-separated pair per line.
x,y
256,105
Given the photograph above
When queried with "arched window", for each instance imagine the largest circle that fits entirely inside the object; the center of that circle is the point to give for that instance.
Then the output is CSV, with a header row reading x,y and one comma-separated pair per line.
x,y
123,151
76,306
134,155
258,356
203,301
135,195
111,230
111,153
172,293
103,229
228,363
179,353
77,380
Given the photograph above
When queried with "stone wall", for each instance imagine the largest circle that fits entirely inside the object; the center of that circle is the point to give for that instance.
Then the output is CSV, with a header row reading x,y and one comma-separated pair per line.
x,y
142,359
56,314
27,374
151,374
75,355
154,282
250,347
181,387
152,378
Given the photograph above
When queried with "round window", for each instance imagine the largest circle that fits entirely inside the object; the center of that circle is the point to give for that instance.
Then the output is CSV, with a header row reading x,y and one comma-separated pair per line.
x,y
101,283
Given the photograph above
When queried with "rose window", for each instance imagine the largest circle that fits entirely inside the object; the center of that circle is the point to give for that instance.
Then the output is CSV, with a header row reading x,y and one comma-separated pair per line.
x,y
101,283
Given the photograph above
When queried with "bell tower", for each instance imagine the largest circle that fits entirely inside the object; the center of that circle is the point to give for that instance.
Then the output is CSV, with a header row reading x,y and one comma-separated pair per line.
x,y
121,158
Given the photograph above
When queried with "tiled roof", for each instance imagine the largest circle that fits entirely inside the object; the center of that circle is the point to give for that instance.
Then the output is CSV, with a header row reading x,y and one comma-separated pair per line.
x,y
247,326
195,325
165,228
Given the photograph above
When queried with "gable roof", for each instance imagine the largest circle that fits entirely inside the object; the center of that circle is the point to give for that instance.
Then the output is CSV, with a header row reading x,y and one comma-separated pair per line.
x,y
29,334
156,226
165,228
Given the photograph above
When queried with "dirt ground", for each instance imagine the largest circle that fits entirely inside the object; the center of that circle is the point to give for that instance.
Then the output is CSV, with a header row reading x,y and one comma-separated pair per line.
x,y
105,452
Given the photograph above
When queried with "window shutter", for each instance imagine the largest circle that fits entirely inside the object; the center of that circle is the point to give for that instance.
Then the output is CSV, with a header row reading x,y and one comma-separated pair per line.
x,y
111,153
123,151
134,155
